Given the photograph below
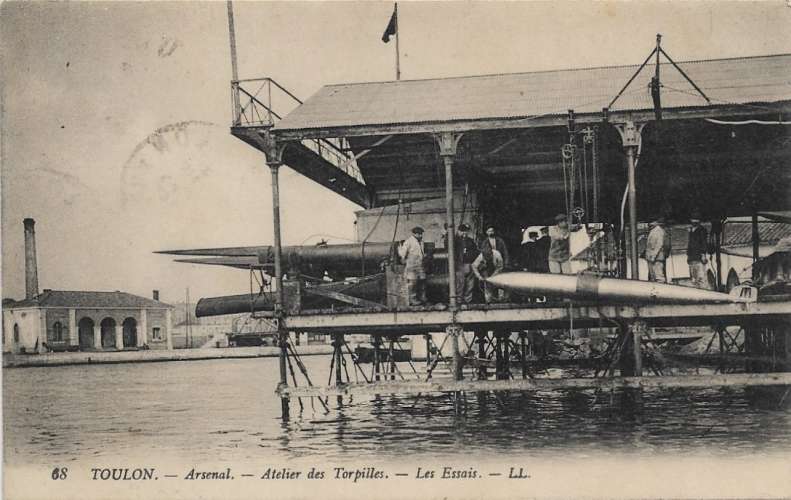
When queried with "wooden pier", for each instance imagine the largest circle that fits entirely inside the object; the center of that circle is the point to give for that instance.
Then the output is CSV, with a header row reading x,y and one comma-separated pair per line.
x,y
518,148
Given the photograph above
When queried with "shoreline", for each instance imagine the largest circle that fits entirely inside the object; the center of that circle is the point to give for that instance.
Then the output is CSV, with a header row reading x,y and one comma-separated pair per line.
x,y
151,356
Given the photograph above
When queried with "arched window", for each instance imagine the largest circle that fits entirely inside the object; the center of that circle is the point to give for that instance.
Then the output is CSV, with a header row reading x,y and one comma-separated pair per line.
x,y
57,330
16,333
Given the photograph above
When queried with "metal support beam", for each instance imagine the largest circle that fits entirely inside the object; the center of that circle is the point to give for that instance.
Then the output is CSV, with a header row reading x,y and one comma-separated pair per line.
x,y
454,331
638,328
482,338
630,135
377,342
283,341
274,155
447,150
427,337
633,253
756,244
540,384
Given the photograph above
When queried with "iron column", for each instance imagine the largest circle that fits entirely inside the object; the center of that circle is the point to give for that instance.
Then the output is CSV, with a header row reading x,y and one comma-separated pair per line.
x,y
447,150
630,153
274,167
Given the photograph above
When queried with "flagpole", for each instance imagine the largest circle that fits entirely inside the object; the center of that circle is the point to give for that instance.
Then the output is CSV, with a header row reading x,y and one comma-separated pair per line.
x,y
398,55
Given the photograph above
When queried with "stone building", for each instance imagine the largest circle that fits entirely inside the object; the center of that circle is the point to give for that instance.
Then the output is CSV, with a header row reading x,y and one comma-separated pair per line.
x,y
58,320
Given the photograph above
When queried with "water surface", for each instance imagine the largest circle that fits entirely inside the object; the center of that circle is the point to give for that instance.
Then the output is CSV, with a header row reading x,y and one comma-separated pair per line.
x,y
226,410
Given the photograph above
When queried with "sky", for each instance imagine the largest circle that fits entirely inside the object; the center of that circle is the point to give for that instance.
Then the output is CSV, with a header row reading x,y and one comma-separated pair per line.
x,y
115,116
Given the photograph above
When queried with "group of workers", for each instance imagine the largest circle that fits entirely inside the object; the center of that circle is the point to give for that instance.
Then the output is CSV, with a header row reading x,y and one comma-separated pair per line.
x,y
657,250
547,249
477,262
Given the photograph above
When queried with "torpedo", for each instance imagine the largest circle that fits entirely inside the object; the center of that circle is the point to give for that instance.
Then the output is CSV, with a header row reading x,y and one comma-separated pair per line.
x,y
589,286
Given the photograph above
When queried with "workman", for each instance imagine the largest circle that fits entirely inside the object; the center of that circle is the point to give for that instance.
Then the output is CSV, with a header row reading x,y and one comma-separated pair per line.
x,y
657,250
489,263
697,246
535,247
494,242
559,257
412,254
466,253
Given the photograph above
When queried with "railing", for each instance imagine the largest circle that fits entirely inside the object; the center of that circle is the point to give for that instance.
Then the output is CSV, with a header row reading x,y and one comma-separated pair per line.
x,y
256,109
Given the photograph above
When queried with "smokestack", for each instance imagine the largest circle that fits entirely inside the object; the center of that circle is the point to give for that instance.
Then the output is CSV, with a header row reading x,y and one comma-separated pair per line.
x,y
156,294
31,269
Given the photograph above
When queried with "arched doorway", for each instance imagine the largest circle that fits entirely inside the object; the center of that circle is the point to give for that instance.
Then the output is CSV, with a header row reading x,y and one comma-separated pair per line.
x,y
733,280
108,333
130,332
712,280
85,329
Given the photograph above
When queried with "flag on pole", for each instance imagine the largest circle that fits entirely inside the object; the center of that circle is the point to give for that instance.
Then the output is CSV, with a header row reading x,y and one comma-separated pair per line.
x,y
392,26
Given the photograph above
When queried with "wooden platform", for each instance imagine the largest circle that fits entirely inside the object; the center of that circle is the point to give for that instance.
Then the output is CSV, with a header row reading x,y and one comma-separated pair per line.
x,y
415,321
538,384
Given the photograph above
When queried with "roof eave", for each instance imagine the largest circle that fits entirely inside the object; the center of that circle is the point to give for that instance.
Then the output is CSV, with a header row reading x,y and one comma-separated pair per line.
x,y
555,120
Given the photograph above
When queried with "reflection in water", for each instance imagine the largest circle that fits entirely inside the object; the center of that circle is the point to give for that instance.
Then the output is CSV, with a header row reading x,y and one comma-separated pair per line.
x,y
226,410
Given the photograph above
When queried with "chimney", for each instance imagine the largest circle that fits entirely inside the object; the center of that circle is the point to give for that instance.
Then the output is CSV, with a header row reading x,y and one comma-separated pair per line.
x,y
156,294
31,270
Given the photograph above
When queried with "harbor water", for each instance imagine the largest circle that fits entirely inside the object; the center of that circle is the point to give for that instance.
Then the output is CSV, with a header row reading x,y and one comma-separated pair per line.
x,y
226,410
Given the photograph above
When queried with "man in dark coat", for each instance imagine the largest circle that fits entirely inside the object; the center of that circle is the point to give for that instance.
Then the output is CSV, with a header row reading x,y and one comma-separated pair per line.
x,y
697,248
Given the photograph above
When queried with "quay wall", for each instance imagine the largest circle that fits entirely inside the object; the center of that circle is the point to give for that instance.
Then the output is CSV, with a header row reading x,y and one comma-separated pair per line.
x,y
84,358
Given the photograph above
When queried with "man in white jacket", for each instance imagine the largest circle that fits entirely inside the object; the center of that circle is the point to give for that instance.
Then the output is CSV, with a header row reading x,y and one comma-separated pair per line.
x,y
657,250
412,254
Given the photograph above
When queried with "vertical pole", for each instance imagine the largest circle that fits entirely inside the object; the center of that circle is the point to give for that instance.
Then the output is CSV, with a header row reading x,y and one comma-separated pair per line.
x,y
523,345
398,50
338,344
625,356
447,150
482,375
428,351
630,153
717,230
274,166
506,355
451,230
756,244
391,357
498,356
454,331
637,333
234,67
377,356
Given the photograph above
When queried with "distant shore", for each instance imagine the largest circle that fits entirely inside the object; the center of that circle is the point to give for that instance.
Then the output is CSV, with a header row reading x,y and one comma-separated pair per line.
x,y
150,356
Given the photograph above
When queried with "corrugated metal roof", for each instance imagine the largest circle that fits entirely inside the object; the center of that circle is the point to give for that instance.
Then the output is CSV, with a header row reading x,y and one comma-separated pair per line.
x,y
741,233
736,235
80,299
739,80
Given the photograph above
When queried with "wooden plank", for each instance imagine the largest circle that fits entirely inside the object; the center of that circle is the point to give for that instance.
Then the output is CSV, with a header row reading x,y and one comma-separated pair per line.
x,y
538,384
410,322
341,297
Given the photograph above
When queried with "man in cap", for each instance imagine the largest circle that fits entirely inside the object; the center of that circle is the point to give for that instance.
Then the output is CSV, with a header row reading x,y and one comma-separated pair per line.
x,y
657,250
559,247
412,254
492,246
494,242
697,246
466,252
488,263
